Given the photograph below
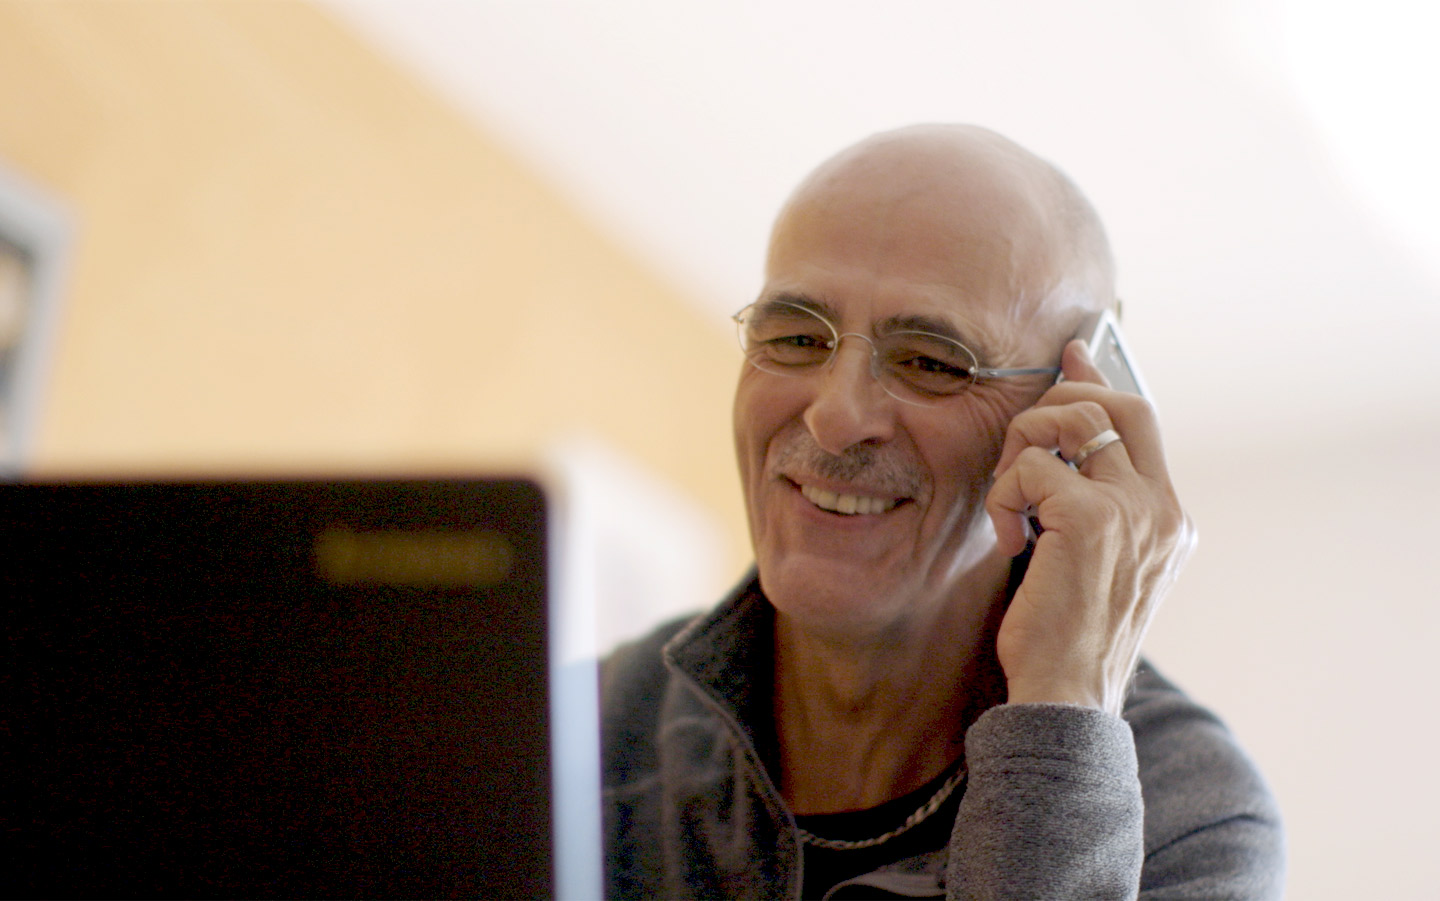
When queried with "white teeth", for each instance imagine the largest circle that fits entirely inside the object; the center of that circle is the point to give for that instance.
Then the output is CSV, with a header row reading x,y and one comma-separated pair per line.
x,y
849,504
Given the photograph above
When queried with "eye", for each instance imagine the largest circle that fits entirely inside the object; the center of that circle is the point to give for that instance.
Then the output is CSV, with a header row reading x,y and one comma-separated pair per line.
x,y
802,341
928,364
796,349
783,335
937,367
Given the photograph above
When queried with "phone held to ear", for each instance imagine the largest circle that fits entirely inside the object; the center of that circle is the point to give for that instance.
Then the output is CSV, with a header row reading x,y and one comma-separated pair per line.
x,y
1101,334
1102,337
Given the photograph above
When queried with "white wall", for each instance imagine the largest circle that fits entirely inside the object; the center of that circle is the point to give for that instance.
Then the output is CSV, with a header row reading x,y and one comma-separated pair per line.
x,y
1309,618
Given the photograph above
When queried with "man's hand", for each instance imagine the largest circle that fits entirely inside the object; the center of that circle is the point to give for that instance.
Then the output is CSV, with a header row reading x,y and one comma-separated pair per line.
x,y
1113,539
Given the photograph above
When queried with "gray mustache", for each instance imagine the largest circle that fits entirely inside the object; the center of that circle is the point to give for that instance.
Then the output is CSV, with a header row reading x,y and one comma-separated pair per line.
x,y
862,463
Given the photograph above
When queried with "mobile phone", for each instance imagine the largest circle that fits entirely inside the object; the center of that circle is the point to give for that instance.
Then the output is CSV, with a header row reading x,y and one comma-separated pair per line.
x,y
1101,334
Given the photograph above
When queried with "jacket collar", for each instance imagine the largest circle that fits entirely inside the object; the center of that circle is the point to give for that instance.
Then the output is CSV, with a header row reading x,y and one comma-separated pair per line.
x,y
728,655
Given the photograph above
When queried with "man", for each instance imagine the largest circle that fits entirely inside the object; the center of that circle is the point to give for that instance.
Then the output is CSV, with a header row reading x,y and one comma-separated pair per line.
x,y
912,698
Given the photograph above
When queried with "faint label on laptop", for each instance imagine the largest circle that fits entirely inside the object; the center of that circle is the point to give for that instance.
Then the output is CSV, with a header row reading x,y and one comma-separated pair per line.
x,y
415,558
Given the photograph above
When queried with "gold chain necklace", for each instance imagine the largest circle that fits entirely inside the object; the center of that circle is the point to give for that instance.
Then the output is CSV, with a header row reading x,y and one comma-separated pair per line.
x,y
915,819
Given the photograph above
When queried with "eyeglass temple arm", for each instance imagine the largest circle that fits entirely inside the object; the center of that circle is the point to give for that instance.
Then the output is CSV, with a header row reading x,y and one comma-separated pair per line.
x,y
1005,373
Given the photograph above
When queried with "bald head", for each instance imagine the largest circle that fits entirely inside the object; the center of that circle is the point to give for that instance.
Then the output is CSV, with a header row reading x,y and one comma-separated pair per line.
x,y
984,191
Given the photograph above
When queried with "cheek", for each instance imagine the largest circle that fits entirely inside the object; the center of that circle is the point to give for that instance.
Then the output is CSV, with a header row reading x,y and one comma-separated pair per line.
x,y
990,425
973,437
743,421
758,414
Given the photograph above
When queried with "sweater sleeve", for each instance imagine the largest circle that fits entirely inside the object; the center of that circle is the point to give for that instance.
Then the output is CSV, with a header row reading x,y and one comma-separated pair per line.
x,y
1053,807
1067,802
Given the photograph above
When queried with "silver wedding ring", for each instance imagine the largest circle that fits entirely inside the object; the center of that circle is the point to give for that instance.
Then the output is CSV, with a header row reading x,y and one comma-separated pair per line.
x,y
1094,446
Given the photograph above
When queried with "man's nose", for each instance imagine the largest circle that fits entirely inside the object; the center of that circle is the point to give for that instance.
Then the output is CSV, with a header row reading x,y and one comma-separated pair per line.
x,y
850,406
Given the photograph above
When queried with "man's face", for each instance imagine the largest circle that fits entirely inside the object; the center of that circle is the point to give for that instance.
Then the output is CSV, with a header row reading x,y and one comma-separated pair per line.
x,y
870,255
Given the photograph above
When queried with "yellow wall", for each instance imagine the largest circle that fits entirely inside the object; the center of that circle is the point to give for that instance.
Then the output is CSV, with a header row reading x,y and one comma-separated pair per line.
x,y
292,258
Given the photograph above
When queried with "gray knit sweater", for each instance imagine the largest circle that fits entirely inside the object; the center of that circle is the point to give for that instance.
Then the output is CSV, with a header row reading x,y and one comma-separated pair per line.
x,y
1060,802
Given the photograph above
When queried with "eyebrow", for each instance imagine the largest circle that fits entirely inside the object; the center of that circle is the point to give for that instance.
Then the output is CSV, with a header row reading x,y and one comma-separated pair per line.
x,y
917,323
818,307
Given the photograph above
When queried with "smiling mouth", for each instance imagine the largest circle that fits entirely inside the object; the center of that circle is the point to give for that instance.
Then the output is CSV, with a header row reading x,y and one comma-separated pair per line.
x,y
847,504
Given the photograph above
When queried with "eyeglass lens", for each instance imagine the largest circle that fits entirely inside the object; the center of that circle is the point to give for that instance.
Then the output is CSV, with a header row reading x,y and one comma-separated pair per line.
x,y
788,339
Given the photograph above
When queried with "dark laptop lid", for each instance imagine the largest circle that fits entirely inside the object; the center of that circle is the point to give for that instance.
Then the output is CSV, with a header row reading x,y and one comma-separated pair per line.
x,y
280,689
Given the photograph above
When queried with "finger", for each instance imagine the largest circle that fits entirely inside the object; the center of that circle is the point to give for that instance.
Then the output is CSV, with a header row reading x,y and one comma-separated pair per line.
x,y
1131,415
1036,476
1063,428
1100,456
1134,416
1076,365
1085,454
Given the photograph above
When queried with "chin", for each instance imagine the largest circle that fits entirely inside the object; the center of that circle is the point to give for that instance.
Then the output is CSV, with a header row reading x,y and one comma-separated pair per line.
x,y
837,603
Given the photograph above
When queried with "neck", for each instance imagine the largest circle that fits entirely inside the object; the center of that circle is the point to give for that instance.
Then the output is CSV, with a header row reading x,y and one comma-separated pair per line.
x,y
866,720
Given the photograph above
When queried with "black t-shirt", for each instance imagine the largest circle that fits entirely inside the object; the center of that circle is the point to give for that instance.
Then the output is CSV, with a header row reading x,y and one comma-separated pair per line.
x,y
825,867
